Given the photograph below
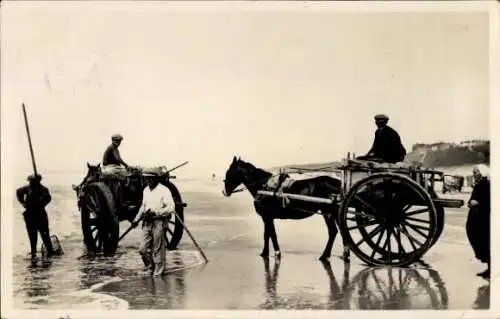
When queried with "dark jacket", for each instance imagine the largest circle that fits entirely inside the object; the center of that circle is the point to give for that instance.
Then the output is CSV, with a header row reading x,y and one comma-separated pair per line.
x,y
481,193
112,157
34,198
387,145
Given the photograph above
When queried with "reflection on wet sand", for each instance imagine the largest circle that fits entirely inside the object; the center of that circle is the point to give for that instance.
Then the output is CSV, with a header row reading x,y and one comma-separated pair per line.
x,y
370,288
397,288
94,269
37,279
337,299
166,292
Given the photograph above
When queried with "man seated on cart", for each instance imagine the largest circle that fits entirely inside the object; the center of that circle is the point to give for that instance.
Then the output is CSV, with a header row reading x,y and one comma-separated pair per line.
x,y
387,146
113,165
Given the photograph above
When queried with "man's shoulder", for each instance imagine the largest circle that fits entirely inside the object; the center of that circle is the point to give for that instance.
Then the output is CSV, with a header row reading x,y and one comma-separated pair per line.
x,y
164,188
110,148
23,188
389,129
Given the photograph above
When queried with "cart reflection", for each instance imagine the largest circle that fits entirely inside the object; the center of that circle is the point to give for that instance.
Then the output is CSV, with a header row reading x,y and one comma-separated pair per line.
x,y
369,289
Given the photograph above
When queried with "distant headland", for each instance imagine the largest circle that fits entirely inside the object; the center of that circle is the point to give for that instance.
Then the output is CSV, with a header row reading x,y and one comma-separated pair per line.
x,y
439,154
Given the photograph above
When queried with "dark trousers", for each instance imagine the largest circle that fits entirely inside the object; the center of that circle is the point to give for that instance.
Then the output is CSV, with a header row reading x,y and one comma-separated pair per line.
x,y
37,222
478,233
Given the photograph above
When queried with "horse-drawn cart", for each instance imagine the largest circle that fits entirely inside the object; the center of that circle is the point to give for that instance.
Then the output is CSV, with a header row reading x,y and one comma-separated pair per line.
x,y
377,199
105,198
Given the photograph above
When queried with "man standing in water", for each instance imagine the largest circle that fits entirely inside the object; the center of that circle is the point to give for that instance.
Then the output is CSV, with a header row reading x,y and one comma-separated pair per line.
x,y
157,205
387,145
34,197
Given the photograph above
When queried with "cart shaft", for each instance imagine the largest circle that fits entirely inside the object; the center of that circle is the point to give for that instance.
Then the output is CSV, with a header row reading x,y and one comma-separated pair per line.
x,y
298,197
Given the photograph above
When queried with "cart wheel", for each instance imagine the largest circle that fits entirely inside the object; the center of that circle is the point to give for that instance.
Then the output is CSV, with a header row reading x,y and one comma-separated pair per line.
x,y
439,216
174,228
388,219
397,288
100,224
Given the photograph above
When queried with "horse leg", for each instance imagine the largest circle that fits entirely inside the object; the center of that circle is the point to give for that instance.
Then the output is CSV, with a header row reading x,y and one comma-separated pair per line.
x,y
265,250
346,255
274,238
332,233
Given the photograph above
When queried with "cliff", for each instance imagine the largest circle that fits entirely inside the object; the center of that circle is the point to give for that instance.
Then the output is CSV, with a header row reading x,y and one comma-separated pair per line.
x,y
450,154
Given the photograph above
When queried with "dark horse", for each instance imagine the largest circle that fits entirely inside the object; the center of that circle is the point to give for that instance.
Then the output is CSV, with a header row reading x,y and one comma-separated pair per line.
x,y
270,208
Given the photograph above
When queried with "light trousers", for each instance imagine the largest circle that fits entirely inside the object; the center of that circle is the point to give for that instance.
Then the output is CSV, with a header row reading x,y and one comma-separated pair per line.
x,y
154,246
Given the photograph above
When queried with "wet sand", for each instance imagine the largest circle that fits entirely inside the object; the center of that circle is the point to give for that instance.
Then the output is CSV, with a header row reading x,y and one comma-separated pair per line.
x,y
231,235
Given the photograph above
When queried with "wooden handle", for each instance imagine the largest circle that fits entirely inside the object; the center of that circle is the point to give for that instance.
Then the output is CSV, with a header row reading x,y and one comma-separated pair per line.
x,y
29,139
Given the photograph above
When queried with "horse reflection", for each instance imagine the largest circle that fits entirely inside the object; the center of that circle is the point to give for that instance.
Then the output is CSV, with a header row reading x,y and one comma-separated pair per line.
x,y
397,288
274,301
337,300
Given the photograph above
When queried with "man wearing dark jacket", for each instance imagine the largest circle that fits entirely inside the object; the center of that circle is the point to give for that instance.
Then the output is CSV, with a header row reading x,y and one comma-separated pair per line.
x,y
34,197
387,145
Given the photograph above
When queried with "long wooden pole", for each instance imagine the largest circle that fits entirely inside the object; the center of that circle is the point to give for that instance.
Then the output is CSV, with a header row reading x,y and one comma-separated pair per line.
x,y
192,238
180,165
29,139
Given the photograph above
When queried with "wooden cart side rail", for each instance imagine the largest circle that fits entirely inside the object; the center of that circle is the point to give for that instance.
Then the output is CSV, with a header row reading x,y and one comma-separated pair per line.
x,y
305,198
400,170
449,203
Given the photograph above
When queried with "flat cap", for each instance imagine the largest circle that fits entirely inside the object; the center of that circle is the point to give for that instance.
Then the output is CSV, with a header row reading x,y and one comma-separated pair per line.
x,y
34,177
381,117
117,137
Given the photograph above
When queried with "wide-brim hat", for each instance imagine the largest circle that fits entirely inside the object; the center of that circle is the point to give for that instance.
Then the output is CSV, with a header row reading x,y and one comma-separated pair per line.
x,y
381,117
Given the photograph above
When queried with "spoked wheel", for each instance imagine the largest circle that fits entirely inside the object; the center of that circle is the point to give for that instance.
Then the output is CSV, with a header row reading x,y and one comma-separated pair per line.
x,y
397,288
439,216
173,226
100,224
388,219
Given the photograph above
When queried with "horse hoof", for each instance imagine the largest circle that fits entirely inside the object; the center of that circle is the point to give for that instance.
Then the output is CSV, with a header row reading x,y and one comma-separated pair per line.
x,y
264,255
277,254
324,258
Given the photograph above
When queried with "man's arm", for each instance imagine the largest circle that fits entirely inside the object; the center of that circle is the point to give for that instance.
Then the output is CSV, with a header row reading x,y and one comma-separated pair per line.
x,y
116,153
168,204
46,198
21,193
141,211
374,145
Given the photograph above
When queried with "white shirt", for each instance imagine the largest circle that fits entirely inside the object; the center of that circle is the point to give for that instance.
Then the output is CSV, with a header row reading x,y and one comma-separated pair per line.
x,y
159,201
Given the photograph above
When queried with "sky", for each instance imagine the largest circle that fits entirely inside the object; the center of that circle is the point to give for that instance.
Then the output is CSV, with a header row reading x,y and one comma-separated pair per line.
x,y
274,87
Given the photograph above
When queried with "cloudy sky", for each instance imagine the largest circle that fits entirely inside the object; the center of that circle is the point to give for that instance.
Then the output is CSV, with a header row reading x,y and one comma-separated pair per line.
x,y
276,87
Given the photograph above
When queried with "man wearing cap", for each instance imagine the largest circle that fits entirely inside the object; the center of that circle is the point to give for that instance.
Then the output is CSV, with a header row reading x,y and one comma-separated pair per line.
x,y
114,165
34,197
387,145
157,205
112,154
